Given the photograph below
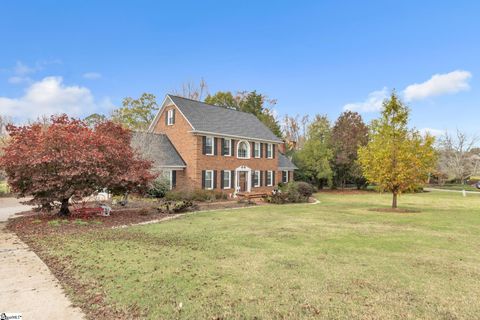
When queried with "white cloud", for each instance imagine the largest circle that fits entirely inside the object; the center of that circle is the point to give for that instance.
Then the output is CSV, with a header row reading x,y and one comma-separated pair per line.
x,y
21,73
19,80
371,104
92,75
432,132
439,84
51,96
22,69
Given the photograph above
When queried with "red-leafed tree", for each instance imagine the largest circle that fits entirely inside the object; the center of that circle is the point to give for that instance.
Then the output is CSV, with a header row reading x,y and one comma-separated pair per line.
x,y
53,163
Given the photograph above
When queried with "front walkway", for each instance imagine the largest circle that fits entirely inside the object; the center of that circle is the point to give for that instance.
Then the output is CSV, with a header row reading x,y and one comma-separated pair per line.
x,y
28,287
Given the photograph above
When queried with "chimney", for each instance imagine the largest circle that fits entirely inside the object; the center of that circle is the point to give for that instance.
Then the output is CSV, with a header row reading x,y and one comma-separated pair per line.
x,y
282,147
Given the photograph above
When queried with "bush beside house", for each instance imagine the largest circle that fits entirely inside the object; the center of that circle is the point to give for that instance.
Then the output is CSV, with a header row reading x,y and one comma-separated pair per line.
x,y
292,192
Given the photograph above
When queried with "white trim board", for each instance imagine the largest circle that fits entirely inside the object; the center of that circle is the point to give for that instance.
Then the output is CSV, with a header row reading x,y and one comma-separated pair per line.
x,y
220,135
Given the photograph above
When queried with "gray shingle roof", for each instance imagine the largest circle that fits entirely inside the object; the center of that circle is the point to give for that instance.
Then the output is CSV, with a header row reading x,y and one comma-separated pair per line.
x,y
284,163
208,118
157,147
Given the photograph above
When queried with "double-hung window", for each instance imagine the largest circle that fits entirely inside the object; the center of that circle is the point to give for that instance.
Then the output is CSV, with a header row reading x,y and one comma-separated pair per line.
x,y
256,150
227,179
285,176
227,147
269,178
170,119
209,146
270,151
209,179
256,178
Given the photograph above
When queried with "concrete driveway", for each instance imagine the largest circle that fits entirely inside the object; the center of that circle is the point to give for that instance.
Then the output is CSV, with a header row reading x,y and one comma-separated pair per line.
x,y
10,206
28,286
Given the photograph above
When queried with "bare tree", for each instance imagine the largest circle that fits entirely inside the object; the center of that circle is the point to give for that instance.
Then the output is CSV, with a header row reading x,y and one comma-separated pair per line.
x,y
4,121
294,130
193,91
457,157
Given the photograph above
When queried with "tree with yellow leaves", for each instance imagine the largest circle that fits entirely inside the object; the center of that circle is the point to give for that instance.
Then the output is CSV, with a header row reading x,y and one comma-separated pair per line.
x,y
396,159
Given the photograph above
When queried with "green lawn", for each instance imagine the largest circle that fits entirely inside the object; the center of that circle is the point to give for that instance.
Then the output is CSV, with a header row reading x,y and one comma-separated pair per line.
x,y
333,260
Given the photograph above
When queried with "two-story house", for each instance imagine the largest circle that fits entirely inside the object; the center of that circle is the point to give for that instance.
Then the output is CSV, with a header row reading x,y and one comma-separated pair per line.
x,y
197,145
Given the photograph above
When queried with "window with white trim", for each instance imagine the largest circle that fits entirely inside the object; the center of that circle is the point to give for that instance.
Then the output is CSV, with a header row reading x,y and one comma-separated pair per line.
x,y
227,147
269,178
227,179
285,176
170,117
209,179
243,150
256,178
256,150
270,151
209,146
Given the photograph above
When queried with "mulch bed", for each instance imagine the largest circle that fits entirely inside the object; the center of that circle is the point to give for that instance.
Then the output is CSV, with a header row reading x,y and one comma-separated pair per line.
x,y
34,224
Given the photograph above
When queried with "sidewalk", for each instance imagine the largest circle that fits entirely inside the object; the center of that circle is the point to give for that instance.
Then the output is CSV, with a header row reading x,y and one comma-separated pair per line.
x,y
27,285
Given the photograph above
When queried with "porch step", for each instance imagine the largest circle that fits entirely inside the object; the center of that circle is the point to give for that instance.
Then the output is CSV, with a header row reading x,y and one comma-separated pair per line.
x,y
252,195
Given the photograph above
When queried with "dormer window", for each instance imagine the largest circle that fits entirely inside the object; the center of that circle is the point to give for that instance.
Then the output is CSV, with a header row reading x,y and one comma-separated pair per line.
x,y
170,117
243,150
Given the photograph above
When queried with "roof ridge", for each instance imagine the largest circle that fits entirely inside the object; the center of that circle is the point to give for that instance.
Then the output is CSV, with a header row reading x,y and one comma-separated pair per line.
x,y
195,112
148,132
212,105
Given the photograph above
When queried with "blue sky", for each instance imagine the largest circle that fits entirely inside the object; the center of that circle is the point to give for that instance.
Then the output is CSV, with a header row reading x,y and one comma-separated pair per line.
x,y
312,56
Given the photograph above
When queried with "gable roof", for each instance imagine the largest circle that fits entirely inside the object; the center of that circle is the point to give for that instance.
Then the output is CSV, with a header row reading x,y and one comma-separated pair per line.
x,y
210,119
158,148
284,163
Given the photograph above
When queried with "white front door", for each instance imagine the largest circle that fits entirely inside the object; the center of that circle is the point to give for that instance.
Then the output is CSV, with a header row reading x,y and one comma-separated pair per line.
x,y
242,179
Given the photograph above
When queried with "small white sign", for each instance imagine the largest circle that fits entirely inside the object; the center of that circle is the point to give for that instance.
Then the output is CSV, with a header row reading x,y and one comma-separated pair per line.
x,y
10,316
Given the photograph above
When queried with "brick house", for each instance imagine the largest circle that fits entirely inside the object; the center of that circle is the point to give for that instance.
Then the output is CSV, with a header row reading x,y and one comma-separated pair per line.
x,y
197,145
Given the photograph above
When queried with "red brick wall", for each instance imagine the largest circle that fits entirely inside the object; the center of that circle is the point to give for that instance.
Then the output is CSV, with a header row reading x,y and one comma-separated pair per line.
x,y
219,162
183,141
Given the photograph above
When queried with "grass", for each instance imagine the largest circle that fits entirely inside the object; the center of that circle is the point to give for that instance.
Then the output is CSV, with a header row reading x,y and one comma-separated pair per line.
x,y
336,259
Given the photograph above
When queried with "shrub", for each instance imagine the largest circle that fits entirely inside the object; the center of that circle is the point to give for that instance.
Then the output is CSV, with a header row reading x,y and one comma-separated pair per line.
x,y
203,195
4,189
159,188
292,192
278,198
219,195
174,195
305,189
176,206
200,195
